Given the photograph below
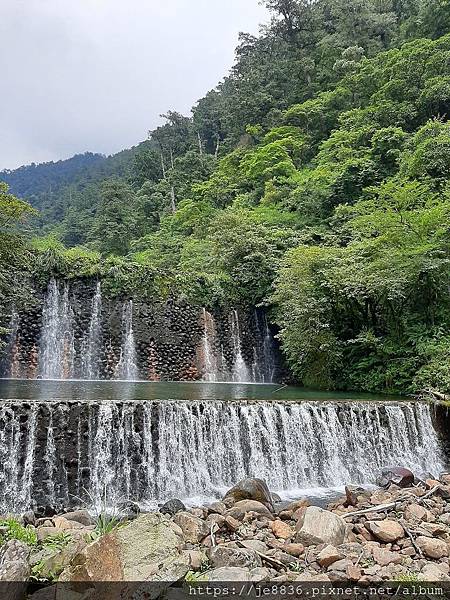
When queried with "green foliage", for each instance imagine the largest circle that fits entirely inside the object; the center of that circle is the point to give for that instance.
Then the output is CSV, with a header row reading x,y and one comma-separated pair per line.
x,y
15,531
314,178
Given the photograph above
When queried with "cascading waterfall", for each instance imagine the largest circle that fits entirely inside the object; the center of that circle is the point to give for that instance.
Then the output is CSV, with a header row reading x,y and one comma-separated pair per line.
x,y
90,348
126,367
57,350
240,370
211,369
264,364
150,451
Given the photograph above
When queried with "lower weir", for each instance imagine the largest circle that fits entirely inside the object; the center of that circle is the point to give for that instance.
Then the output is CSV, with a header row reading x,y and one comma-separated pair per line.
x,y
71,453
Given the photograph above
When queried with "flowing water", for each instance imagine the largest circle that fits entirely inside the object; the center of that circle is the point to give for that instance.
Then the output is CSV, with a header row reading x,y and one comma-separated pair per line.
x,y
57,350
240,369
126,368
152,446
90,348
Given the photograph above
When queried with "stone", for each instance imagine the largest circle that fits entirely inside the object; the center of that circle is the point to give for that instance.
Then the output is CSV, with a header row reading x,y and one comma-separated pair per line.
x,y
328,556
445,518
340,565
217,507
415,511
294,549
445,478
255,545
172,507
432,572
232,523
225,556
398,475
353,573
282,530
385,557
194,529
215,519
45,532
79,516
432,547
386,530
242,507
53,560
228,574
15,569
64,523
29,518
196,558
320,526
260,574
146,549
296,504
251,488
351,495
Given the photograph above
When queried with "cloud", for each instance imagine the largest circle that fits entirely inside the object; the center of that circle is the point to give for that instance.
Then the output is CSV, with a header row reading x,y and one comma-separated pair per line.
x,y
96,74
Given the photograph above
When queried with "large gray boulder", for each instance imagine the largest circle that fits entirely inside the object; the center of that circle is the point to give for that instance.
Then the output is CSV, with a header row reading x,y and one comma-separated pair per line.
x,y
15,569
147,549
226,556
318,526
251,488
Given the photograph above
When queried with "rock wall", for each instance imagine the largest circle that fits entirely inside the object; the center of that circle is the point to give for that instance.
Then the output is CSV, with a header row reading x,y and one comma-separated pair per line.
x,y
75,331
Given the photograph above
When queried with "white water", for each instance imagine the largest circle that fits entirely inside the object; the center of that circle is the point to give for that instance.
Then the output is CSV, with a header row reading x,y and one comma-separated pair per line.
x,y
211,369
90,348
57,350
126,368
240,372
154,450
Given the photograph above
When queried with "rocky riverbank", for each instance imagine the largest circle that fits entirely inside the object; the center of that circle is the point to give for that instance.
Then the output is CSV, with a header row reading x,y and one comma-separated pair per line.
x,y
390,534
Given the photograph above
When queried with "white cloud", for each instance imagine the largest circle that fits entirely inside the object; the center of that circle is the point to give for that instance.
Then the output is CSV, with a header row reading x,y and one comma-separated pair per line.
x,y
95,75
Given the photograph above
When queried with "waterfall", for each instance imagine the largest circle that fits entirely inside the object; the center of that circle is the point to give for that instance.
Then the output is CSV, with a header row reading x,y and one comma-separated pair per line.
x,y
126,368
90,348
150,451
240,369
264,363
211,370
57,351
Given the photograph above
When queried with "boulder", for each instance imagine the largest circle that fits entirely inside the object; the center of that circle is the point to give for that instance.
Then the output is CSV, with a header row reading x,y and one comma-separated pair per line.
x,y
251,488
397,475
64,523
386,530
194,529
225,556
328,555
242,507
146,549
172,507
53,560
14,569
228,574
432,547
318,526
79,516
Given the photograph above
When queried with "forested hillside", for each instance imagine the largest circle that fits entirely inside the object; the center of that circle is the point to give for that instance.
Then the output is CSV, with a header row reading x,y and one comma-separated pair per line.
x,y
314,179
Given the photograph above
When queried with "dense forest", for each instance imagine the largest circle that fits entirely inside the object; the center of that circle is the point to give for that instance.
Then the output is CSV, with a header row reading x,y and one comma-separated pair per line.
x,y
314,180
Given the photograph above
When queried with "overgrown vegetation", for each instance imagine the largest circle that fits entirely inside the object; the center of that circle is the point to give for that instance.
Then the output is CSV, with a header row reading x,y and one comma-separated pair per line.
x,y
313,179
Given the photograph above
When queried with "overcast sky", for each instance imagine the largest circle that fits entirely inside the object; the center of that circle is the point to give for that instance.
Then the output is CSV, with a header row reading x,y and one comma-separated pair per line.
x,y
95,75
